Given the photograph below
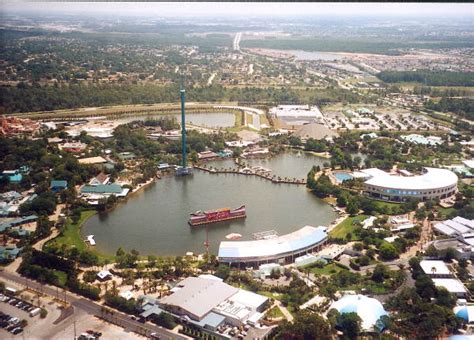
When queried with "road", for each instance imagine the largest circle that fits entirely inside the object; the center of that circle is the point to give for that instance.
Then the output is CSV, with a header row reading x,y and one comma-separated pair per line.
x,y
236,44
92,308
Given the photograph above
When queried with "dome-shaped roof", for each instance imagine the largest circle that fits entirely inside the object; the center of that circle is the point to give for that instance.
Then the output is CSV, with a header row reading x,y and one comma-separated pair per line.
x,y
465,312
368,309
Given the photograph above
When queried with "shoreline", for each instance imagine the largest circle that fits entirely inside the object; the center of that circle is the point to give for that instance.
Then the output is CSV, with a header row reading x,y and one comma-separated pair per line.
x,y
143,186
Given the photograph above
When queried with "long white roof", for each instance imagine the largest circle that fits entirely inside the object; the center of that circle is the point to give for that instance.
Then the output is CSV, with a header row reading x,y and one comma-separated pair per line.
x,y
433,178
300,239
451,285
431,267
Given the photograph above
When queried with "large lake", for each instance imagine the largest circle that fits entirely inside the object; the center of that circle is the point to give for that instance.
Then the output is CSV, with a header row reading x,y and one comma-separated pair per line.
x,y
155,220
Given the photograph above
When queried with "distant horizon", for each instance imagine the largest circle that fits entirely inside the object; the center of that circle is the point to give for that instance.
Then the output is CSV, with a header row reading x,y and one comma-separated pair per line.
x,y
244,10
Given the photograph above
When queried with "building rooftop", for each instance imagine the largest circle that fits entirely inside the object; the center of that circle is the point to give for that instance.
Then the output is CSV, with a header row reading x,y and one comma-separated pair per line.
x,y
299,239
102,189
433,178
55,183
431,267
452,285
92,160
198,296
315,131
368,309
456,226
248,299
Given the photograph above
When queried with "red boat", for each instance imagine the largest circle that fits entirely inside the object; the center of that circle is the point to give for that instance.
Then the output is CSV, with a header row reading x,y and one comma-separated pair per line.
x,y
219,215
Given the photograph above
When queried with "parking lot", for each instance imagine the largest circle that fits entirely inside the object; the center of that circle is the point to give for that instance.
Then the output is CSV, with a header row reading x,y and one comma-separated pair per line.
x,y
15,315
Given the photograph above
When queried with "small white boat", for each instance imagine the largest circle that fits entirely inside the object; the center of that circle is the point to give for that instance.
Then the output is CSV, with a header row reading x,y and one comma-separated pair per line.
x,y
233,236
90,239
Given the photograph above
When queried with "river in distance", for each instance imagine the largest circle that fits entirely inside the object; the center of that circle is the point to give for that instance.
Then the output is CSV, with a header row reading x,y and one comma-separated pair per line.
x,y
154,221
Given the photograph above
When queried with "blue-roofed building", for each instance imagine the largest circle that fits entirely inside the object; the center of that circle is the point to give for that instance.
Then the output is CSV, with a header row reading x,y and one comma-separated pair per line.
x,y
13,176
368,309
17,222
9,253
58,185
225,153
281,249
112,189
211,321
465,312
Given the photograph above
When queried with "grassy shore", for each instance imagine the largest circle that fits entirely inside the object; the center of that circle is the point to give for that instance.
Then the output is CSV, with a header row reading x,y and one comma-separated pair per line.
x,y
347,226
71,237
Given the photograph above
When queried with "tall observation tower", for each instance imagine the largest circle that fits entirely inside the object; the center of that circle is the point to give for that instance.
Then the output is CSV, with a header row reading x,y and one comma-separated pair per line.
x,y
183,170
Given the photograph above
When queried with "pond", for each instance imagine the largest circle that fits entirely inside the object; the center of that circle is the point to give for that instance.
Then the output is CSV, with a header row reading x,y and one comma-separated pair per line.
x,y
155,221
294,164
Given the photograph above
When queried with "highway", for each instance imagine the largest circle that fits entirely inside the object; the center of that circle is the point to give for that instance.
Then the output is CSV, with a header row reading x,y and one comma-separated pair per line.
x,y
236,44
92,308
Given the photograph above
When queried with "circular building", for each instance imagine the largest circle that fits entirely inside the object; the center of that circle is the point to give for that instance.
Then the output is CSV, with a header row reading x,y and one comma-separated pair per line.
x,y
368,309
465,312
433,183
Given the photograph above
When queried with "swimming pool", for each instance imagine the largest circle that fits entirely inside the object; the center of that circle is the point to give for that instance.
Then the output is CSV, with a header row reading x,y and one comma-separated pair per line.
x,y
342,176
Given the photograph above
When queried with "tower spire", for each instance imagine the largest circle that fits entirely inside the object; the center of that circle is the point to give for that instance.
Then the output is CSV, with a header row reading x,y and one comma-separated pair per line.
x,y
183,124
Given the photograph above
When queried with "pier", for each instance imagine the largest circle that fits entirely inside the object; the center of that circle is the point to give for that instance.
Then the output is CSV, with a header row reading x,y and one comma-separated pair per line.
x,y
253,172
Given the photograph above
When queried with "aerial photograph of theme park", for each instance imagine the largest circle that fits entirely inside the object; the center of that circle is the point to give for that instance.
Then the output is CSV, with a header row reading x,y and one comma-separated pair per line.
x,y
236,171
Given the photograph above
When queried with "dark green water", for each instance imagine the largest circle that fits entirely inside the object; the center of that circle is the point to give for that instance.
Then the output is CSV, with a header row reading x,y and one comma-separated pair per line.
x,y
155,220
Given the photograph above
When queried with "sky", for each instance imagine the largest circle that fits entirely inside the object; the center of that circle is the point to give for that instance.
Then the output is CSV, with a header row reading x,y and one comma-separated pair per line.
x,y
246,9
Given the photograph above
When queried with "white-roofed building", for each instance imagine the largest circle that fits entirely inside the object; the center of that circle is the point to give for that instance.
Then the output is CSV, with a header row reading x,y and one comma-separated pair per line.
x,y
434,268
208,303
434,183
282,249
368,309
296,114
453,286
104,275
196,297
254,301
210,277
456,226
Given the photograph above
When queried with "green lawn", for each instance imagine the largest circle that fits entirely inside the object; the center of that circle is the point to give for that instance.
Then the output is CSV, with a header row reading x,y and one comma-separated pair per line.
x,y
62,277
71,236
389,205
275,312
347,226
446,211
328,269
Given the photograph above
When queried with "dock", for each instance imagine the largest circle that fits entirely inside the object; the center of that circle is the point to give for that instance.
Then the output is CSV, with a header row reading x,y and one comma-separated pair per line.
x,y
253,172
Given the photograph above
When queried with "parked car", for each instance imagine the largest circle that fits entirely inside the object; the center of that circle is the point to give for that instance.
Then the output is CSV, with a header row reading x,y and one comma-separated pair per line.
x,y
17,330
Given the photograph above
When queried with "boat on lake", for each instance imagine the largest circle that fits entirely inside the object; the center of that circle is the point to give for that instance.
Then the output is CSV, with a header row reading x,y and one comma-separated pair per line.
x,y
214,216
233,236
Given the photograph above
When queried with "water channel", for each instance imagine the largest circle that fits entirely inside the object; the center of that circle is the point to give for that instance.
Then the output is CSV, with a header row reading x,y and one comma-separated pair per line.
x,y
155,221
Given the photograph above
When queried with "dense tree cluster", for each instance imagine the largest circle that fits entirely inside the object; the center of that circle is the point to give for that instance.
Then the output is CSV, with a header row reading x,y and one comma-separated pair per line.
x,y
427,77
423,311
461,106
306,325
26,98
43,267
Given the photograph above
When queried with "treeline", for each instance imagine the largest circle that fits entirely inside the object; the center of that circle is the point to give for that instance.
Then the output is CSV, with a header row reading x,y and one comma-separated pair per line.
x,y
25,98
427,77
43,267
354,46
461,106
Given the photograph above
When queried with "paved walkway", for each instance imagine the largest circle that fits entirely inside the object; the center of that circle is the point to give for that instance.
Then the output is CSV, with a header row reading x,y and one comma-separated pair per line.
x,y
285,311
